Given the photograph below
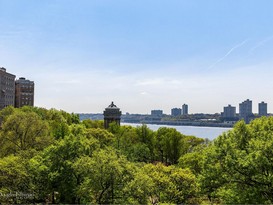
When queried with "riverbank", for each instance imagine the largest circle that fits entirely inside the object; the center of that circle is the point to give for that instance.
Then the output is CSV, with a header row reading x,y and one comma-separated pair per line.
x,y
185,123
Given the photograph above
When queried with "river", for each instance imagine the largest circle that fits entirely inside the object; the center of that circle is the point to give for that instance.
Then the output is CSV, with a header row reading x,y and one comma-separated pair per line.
x,y
202,132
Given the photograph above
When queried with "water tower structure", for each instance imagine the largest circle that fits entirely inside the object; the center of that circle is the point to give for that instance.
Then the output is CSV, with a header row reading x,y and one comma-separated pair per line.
x,y
111,114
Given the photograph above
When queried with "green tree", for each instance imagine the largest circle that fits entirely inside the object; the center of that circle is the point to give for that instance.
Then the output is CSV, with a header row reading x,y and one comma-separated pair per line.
x,y
114,127
192,160
93,123
106,173
146,136
6,112
191,142
104,137
125,138
162,184
242,164
59,129
23,131
53,170
169,145
41,112
14,178
75,118
127,141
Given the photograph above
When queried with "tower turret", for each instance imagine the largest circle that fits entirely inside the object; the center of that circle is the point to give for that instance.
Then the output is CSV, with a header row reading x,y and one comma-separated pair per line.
x,y
111,114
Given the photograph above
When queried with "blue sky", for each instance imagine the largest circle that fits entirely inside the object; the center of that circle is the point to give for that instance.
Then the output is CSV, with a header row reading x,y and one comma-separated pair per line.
x,y
143,55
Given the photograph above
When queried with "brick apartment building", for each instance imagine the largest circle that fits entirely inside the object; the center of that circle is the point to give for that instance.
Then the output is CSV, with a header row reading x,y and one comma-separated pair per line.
x,y
7,88
24,92
15,93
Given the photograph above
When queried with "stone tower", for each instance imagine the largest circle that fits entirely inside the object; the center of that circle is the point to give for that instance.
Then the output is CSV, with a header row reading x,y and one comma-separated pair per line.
x,y
111,114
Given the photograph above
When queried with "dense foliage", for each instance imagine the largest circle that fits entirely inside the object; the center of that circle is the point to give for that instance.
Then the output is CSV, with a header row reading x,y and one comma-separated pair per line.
x,y
49,156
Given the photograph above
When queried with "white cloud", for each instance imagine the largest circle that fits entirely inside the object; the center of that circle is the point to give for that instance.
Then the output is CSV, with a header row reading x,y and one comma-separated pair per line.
x,y
166,82
152,81
144,93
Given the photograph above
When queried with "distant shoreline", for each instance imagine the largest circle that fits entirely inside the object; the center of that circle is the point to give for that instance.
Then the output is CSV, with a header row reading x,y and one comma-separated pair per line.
x,y
194,124
142,120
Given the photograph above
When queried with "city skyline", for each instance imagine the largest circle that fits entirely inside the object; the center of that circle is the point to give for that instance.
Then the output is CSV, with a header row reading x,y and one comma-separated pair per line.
x,y
142,55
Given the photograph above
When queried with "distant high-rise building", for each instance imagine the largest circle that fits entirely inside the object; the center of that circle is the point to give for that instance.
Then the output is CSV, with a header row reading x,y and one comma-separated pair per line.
x,y
263,109
157,112
185,109
229,112
176,111
7,88
111,114
245,110
24,92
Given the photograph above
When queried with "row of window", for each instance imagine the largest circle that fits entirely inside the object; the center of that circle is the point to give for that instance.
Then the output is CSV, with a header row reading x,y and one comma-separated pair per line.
x,y
26,98
26,103
27,86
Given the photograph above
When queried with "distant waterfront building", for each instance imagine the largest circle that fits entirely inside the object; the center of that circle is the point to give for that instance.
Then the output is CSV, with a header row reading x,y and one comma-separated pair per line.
x,y
111,114
245,110
229,112
7,88
185,109
262,109
176,111
229,115
157,112
24,92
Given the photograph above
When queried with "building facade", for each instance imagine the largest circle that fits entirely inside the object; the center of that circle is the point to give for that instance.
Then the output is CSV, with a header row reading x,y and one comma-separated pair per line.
x,y
156,112
229,115
263,109
185,110
7,88
176,111
111,114
24,92
229,112
245,110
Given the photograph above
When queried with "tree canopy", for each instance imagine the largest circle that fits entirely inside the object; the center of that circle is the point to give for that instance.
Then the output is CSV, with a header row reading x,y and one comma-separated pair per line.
x,y
50,156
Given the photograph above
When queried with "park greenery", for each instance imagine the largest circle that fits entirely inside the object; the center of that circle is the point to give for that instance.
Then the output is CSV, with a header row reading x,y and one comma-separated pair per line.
x,y
50,156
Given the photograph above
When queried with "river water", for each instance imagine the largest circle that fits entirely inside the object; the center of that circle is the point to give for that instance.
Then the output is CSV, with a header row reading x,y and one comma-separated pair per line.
x,y
202,132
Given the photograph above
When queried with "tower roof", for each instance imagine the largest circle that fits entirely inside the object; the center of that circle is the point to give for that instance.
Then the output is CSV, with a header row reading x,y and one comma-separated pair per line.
x,y
112,106
112,111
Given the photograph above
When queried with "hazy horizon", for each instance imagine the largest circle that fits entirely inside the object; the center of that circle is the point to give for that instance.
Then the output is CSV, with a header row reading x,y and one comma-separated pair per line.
x,y
143,55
